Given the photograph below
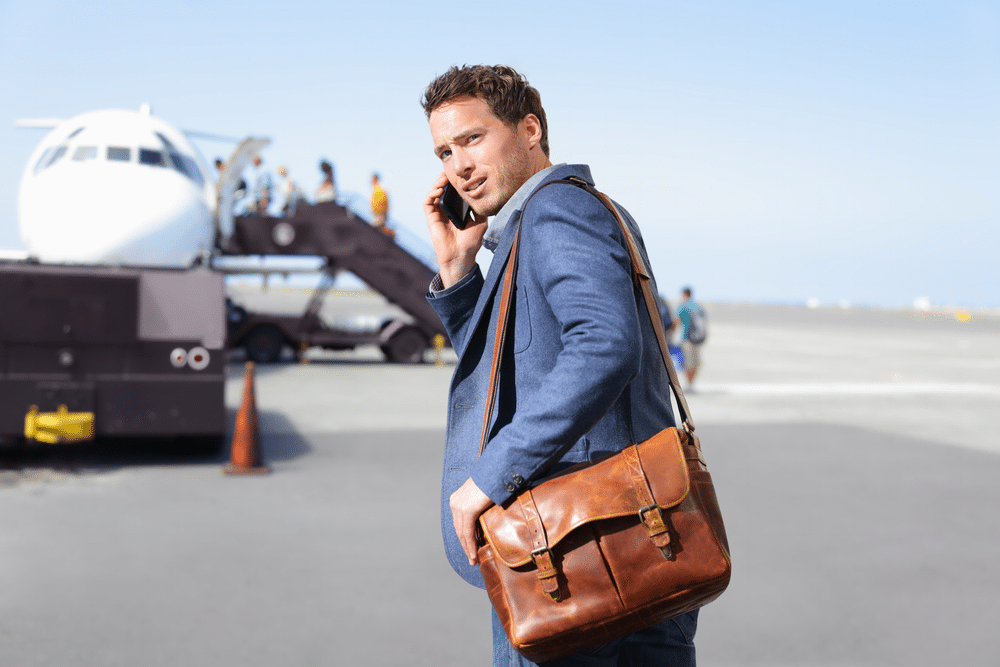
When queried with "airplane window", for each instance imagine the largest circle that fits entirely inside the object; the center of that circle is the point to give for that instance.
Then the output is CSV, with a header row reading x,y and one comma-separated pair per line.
x,y
44,160
119,154
151,157
56,156
192,170
166,142
186,166
75,132
178,163
85,153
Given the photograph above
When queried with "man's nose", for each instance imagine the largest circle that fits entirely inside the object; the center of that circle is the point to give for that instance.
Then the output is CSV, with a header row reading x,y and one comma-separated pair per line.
x,y
463,163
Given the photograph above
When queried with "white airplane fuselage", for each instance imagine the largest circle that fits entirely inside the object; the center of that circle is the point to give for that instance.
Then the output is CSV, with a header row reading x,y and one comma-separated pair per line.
x,y
116,187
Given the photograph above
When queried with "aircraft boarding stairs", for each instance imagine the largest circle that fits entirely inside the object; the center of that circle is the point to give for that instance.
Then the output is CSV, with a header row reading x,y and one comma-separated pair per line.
x,y
347,242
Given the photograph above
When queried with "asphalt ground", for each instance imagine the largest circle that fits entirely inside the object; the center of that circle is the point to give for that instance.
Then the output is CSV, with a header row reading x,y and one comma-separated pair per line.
x,y
855,454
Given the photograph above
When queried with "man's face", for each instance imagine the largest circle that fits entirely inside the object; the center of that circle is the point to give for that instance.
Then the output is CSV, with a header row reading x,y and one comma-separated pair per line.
x,y
484,159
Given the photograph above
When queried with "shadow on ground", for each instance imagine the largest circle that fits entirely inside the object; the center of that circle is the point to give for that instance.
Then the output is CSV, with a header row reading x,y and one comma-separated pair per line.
x,y
22,461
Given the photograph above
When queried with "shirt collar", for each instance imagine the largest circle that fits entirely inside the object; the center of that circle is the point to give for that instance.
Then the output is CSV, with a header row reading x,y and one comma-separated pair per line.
x,y
500,220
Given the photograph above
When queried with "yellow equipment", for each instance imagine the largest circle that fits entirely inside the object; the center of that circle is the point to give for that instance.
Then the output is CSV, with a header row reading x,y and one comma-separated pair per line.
x,y
58,427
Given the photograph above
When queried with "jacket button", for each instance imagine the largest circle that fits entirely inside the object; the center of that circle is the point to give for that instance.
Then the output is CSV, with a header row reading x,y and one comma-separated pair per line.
x,y
510,487
518,479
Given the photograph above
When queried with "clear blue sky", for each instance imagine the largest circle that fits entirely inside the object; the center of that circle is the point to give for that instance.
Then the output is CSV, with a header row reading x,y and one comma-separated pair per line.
x,y
771,151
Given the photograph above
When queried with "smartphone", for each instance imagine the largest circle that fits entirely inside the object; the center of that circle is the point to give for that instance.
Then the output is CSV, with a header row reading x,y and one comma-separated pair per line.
x,y
456,208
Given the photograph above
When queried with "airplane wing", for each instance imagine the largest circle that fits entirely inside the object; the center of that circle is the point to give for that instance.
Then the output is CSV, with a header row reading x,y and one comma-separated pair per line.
x,y
43,123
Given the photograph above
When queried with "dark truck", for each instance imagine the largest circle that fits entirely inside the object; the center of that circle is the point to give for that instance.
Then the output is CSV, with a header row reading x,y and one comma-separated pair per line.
x,y
347,243
95,352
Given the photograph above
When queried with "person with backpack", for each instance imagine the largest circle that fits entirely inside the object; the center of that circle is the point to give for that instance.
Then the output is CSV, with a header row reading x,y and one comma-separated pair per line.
x,y
693,335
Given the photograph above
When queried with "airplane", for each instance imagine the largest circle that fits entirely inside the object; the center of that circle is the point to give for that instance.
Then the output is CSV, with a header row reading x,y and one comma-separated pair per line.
x,y
124,188
113,324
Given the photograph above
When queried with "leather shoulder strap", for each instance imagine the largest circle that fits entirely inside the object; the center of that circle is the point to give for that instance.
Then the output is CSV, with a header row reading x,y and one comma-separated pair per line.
x,y
640,276
506,291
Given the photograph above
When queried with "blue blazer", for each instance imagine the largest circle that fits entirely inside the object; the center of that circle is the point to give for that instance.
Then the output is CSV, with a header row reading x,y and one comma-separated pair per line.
x,y
582,375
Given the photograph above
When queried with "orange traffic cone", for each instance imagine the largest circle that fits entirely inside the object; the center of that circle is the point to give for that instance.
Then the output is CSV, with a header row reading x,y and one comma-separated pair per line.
x,y
245,456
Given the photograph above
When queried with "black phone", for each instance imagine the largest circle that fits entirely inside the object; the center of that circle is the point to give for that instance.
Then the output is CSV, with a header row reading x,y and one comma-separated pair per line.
x,y
456,208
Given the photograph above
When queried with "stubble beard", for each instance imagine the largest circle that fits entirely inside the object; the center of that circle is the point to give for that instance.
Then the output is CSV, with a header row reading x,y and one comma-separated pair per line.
x,y
511,174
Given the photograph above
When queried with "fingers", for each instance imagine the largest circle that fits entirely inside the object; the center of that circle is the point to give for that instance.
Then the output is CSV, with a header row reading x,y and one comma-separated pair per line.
x,y
467,503
455,249
431,209
465,529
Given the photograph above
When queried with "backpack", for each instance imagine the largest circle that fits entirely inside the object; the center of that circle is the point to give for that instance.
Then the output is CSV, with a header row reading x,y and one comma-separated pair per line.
x,y
698,330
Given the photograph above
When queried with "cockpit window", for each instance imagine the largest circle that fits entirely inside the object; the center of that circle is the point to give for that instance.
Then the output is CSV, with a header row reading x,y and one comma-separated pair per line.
x,y
186,166
85,153
75,132
192,170
56,156
151,157
177,161
166,142
43,161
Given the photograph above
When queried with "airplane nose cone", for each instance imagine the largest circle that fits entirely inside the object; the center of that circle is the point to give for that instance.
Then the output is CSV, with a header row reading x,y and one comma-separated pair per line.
x,y
105,213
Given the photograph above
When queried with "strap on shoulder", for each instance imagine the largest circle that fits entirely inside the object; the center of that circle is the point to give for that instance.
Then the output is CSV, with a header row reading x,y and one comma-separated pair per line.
x,y
640,276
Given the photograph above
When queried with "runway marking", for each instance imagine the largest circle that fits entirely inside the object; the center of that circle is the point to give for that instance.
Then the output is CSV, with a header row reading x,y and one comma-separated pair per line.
x,y
853,389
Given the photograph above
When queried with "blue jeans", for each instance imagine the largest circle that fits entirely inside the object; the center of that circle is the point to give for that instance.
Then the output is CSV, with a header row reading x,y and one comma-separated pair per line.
x,y
667,644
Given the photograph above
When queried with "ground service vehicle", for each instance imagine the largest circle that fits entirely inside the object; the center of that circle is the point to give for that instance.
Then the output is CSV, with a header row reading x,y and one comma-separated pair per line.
x,y
95,352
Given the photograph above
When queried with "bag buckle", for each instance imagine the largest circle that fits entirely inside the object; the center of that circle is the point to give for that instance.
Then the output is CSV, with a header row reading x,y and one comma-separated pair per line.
x,y
542,558
658,532
647,508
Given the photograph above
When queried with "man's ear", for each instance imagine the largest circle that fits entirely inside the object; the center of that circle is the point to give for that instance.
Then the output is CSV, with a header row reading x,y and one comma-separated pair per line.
x,y
532,129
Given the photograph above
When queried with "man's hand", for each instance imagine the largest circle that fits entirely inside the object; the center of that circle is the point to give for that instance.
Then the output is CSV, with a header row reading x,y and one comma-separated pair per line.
x,y
467,503
455,248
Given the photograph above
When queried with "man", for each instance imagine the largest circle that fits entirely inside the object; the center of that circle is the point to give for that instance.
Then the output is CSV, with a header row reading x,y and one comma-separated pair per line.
x,y
327,190
583,376
290,192
692,335
380,203
262,187
241,187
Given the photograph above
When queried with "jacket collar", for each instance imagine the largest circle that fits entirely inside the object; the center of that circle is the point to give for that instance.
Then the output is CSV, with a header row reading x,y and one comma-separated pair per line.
x,y
505,240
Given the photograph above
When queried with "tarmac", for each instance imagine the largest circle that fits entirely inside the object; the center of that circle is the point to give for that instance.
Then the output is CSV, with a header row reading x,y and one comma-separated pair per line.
x,y
855,454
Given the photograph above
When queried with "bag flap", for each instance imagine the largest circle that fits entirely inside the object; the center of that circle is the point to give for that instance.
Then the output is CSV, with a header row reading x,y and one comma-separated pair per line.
x,y
600,490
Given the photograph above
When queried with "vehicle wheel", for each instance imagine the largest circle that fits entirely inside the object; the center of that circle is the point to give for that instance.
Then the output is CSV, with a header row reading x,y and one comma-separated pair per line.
x,y
406,346
264,344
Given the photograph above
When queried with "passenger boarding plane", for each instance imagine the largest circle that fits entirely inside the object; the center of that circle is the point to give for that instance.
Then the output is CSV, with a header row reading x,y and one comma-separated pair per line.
x,y
124,188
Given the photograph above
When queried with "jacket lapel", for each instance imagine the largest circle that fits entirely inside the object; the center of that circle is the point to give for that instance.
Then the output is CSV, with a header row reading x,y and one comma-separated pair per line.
x,y
502,253
492,280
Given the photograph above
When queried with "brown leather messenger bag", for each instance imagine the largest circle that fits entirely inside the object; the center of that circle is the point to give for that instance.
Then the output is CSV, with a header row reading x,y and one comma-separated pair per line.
x,y
608,547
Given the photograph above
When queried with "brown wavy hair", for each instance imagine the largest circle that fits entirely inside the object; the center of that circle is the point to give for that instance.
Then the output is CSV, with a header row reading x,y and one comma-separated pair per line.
x,y
508,94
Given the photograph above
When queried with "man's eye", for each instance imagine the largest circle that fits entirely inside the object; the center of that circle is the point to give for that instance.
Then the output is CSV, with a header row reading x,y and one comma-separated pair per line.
x,y
473,138
444,154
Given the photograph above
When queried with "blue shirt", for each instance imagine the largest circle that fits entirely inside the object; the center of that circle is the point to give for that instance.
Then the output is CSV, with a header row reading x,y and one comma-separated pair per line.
x,y
501,219
684,314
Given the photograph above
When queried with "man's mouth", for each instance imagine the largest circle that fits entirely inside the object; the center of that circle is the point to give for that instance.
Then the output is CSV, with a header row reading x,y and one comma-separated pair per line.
x,y
472,188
